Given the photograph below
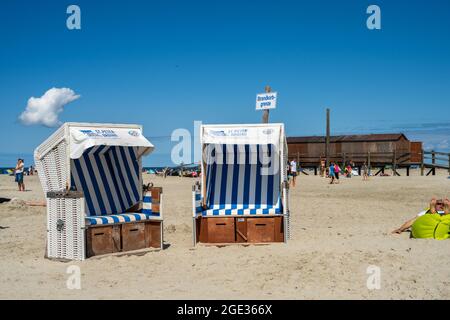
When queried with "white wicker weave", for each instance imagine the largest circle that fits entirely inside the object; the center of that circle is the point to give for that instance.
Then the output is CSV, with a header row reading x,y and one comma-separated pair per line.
x,y
65,228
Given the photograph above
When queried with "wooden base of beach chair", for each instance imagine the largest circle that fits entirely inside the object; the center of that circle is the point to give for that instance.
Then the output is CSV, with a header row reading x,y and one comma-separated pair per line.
x,y
139,253
240,230
153,235
101,240
133,236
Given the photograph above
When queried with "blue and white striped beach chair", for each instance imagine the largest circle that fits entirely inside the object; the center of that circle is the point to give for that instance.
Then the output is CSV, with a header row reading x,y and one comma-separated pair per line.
x,y
103,164
242,175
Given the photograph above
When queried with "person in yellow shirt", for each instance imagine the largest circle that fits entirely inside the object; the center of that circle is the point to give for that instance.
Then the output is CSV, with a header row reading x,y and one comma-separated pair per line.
x,y
437,206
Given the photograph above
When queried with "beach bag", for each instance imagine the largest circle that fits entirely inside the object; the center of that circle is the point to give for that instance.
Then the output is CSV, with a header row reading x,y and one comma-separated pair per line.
x,y
431,226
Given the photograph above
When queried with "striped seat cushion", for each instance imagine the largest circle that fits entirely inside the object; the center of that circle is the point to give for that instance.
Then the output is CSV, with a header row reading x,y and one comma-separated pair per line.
x,y
229,210
117,218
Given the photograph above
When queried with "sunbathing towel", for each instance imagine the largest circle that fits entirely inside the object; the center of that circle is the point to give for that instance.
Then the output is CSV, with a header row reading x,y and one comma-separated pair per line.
x,y
431,226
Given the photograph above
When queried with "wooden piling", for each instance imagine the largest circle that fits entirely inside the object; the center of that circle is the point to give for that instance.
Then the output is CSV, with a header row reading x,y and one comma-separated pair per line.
x,y
449,163
327,140
433,161
422,163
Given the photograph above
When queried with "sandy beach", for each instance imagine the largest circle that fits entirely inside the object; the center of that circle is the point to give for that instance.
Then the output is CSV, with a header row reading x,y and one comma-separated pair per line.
x,y
337,231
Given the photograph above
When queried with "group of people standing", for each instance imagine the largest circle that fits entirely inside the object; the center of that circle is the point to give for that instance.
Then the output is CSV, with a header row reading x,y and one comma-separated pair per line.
x,y
334,171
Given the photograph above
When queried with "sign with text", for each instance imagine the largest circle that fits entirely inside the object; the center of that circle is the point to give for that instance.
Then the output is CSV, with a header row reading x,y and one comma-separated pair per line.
x,y
266,101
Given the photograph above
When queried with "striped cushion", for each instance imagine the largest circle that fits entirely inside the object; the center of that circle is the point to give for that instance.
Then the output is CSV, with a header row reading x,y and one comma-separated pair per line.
x,y
235,210
117,218
147,203
198,202
242,211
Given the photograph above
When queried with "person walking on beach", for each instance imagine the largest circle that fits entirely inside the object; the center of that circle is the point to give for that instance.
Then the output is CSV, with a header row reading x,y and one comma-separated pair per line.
x,y
365,170
293,171
19,174
348,170
331,173
337,170
322,168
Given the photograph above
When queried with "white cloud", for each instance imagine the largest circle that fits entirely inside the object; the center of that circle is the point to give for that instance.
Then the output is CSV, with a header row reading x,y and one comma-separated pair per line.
x,y
46,109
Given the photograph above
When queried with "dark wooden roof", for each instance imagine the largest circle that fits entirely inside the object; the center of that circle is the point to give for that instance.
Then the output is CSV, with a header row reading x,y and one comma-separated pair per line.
x,y
349,138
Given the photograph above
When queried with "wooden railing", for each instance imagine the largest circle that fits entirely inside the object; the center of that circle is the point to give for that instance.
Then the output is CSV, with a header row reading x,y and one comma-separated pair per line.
x,y
429,159
439,160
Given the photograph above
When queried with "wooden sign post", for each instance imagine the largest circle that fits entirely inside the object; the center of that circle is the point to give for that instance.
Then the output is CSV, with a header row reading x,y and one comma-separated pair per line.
x,y
327,140
265,117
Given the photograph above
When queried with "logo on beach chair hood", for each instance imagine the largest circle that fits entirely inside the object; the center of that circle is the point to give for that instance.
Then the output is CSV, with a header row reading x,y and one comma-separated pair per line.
x,y
99,133
217,133
228,133
133,133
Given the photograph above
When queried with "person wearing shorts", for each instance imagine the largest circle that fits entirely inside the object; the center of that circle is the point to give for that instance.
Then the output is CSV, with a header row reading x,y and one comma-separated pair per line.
x,y
19,174
336,172
331,173
365,170
293,171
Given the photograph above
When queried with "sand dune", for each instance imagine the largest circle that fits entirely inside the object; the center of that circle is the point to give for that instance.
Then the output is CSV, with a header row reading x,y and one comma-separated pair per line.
x,y
337,232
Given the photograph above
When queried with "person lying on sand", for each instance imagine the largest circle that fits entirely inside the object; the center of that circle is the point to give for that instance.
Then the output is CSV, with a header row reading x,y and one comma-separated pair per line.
x,y
436,207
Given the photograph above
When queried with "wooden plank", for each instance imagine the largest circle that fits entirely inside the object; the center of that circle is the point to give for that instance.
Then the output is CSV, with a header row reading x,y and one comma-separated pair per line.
x,y
394,164
422,163
261,230
327,140
153,234
416,151
202,229
99,240
265,117
241,230
117,238
279,229
437,153
139,252
133,236
379,171
156,199
221,230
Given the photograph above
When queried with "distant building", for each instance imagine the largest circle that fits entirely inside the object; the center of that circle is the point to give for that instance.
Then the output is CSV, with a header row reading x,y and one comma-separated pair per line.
x,y
379,149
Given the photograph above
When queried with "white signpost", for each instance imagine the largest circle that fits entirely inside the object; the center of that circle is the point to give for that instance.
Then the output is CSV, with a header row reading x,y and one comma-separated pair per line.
x,y
266,101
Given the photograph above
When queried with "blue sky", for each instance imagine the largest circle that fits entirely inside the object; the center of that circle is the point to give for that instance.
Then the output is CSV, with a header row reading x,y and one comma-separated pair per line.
x,y
164,64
